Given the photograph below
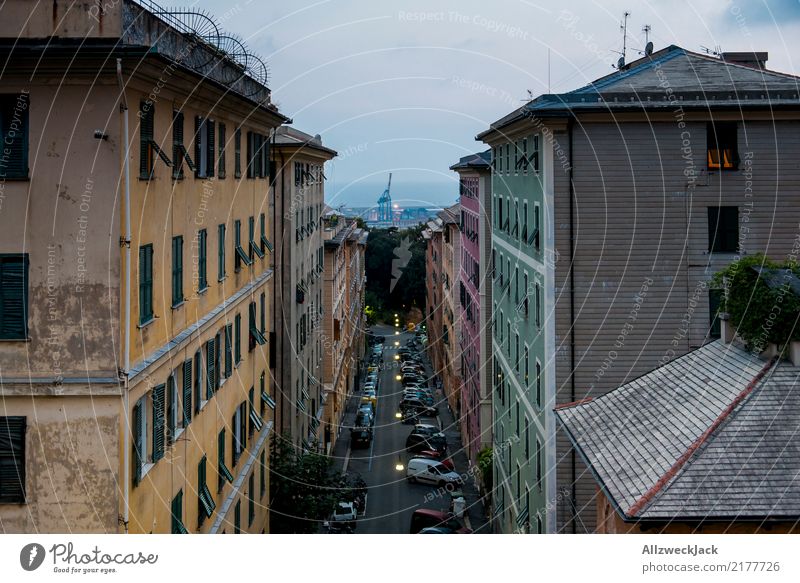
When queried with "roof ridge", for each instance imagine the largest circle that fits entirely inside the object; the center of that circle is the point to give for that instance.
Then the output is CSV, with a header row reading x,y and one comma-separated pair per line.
x,y
656,488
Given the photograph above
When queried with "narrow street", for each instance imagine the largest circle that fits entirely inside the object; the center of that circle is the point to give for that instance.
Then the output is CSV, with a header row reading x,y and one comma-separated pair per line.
x,y
391,499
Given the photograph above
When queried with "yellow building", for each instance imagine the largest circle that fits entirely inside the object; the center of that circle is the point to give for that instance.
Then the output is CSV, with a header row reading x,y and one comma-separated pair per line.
x,y
134,368
344,325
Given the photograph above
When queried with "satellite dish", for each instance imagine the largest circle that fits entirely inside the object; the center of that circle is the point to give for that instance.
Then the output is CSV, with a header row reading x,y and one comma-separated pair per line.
x,y
648,49
621,63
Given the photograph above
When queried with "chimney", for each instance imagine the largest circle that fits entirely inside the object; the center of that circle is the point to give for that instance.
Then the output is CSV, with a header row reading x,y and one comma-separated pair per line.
x,y
748,59
794,352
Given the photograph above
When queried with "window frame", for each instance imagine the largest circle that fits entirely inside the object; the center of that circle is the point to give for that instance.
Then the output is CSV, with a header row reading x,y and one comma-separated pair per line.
x,y
17,322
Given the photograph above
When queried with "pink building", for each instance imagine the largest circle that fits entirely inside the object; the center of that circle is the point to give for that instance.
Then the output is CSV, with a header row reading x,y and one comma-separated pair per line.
x,y
475,301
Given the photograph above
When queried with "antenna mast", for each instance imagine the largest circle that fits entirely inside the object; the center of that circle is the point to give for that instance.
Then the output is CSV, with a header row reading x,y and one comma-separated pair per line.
x,y
624,28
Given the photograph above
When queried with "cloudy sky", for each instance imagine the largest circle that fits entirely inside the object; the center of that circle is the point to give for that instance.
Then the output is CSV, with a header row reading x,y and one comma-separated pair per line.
x,y
404,87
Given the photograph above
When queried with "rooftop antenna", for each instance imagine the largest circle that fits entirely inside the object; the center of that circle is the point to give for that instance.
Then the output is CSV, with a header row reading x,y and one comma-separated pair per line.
x,y
716,51
648,45
624,28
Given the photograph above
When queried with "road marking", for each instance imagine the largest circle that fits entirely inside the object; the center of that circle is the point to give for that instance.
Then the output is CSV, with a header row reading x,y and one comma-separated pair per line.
x,y
347,458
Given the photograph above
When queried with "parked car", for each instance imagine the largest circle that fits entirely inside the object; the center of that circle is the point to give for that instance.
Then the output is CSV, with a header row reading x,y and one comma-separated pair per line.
x,y
437,455
417,442
419,406
428,518
426,429
437,530
369,396
430,471
344,513
360,437
364,419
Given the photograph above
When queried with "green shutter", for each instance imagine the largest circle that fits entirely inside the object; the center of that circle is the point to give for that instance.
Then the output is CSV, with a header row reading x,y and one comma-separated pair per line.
x,y
158,422
221,171
14,297
187,392
228,355
237,518
177,144
177,514
221,252
211,152
255,334
172,413
198,125
250,155
14,112
224,472
237,154
177,270
211,365
145,283
12,459
202,260
263,300
146,153
138,455
237,337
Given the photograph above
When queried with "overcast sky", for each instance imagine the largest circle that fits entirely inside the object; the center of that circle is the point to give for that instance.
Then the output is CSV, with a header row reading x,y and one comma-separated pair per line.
x,y
404,87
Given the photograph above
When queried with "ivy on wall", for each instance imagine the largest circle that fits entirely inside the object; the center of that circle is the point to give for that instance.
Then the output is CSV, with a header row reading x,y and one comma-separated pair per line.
x,y
760,313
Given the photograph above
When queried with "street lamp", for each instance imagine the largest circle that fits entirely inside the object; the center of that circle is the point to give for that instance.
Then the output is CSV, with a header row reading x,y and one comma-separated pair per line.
x,y
398,415
399,465
398,378
397,357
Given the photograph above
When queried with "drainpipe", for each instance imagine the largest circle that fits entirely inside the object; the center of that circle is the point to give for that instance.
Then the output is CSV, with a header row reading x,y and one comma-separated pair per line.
x,y
126,244
573,489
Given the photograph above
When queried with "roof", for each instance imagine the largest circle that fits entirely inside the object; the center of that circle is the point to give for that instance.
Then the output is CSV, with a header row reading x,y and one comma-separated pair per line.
x,y
712,435
451,215
474,161
291,136
668,79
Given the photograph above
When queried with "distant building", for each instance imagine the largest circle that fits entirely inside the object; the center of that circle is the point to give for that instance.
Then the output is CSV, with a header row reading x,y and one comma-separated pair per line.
x,y
450,371
475,300
299,161
135,284
706,443
344,324
613,206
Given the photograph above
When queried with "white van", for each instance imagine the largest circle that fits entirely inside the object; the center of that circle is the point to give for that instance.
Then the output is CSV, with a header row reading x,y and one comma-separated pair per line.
x,y
431,471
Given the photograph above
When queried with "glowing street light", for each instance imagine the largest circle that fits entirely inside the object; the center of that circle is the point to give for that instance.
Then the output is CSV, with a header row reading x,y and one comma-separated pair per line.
x,y
398,378
398,415
397,357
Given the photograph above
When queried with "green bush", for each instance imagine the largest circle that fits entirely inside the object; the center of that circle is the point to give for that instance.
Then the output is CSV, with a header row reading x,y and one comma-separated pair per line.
x,y
760,314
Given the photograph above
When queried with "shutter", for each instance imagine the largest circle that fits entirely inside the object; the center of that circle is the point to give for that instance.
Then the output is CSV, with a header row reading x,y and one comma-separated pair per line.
x,y
265,157
146,153
211,153
187,392
210,368
12,459
198,380
237,153
250,154
137,440
198,159
263,313
177,144
228,350
158,422
15,162
221,172
14,297
172,413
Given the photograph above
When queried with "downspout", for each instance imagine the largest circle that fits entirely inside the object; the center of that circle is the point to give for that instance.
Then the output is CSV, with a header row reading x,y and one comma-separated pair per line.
x,y
126,244
284,389
573,493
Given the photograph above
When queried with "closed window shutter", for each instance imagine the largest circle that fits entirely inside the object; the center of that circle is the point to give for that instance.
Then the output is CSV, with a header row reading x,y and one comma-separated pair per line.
x,y
15,147
146,154
198,158
138,455
14,297
265,157
177,144
172,413
12,459
211,154
250,154
187,392
237,337
198,380
222,132
158,422
237,153
263,313
228,350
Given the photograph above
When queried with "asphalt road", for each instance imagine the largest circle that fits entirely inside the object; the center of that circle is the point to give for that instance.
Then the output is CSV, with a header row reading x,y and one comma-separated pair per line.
x,y
391,499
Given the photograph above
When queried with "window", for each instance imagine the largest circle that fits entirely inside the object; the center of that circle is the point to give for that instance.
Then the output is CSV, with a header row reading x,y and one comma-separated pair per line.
x,y
538,384
228,350
525,155
221,252
211,367
535,237
714,303
538,305
140,457
524,221
204,149
237,336
265,243
527,440
723,229
241,256
177,514
158,401
177,270
237,517
263,323
222,469
237,153
145,284
239,429
173,409
256,337
538,464
263,479
251,499
722,146
221,153
534,158
179,153
14,297
202,260
14,135
187,392
252,247
198,381
251,147
205,501
148,148
12,460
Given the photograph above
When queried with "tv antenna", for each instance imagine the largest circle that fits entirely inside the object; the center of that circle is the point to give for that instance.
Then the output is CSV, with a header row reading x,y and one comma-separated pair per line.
x,y
624,28
716,51
648,44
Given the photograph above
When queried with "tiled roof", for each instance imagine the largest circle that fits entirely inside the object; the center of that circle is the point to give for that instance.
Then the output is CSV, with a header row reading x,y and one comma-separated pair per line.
x,y
479,160
291,136
668,79
451,215
714,434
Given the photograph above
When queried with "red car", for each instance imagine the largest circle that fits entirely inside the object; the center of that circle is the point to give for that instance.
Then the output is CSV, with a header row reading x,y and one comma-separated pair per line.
x,y
426,518
435,455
